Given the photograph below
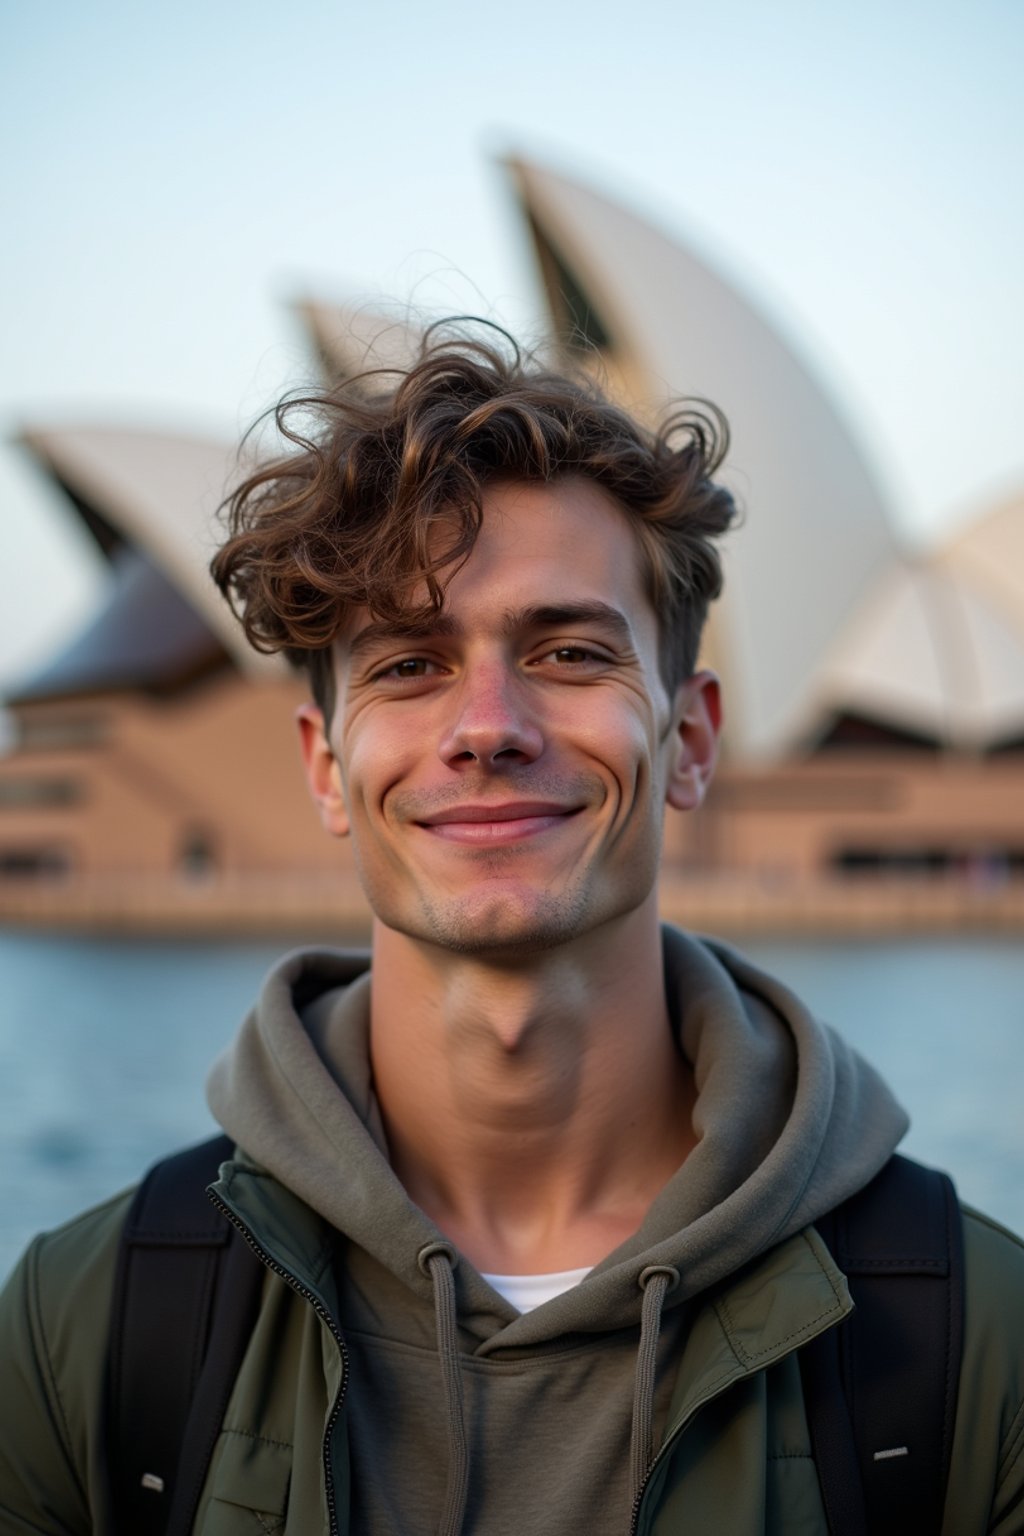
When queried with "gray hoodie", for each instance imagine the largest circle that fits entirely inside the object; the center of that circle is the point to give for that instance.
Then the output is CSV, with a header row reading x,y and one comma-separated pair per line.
x,y
463,1414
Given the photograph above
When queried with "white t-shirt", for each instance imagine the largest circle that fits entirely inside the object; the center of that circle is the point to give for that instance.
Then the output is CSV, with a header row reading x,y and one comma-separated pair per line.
x,y
528,1291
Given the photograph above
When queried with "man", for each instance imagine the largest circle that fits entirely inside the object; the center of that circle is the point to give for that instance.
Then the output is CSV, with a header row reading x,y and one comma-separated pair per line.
x,y
534,1190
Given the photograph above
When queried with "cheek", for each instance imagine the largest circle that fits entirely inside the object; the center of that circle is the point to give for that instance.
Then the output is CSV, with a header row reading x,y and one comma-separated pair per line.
x,y
625,738
629,758
375,758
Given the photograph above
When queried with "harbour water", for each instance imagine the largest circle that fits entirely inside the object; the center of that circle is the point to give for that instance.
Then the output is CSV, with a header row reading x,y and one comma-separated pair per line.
x,y
104,1045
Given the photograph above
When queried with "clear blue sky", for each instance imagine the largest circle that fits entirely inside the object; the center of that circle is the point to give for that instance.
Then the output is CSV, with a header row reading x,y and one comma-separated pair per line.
x,y
171,175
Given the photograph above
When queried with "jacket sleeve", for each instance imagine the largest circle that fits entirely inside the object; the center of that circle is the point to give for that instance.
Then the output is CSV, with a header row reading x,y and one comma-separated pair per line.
x,y
54,1313
1009,1512
986,1483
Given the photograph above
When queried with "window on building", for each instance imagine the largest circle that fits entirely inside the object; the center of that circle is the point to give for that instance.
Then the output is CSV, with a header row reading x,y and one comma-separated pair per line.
x,y
33,863
47,732
197,857
26,792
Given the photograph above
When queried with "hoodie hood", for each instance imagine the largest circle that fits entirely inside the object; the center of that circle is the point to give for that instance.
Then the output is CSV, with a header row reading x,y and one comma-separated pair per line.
x,y
791,1121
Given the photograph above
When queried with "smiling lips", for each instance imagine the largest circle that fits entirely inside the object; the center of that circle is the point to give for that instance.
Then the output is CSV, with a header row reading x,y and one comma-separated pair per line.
x,y
489,824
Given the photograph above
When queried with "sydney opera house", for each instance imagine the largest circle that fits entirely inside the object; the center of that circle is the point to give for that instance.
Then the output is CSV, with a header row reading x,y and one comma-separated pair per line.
x,y
874,764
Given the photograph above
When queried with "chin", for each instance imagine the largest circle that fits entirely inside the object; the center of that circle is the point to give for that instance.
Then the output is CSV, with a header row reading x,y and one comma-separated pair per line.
x,y
513,921
505,923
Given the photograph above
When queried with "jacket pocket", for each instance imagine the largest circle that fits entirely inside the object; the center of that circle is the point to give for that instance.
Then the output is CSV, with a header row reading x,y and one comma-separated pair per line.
x,y
249,1486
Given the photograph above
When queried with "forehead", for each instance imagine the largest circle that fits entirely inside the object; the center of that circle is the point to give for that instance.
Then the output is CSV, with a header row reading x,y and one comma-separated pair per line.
x,y
549,541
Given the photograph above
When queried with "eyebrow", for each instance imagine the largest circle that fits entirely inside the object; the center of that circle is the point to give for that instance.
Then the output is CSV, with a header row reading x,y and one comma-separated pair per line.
x,y
566,615
382,632
535,616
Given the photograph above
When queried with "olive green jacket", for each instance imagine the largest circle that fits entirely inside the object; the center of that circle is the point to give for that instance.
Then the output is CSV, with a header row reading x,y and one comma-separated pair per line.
x,y
735,1458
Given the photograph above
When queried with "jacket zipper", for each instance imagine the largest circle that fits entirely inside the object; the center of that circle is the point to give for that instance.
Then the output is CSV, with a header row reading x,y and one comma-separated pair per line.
x,y
663,1451
325,1317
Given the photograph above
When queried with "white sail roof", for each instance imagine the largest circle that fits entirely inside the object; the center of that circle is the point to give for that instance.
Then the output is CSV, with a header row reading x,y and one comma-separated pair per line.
x,y
817,533
352,338
159,492
929,653
989,552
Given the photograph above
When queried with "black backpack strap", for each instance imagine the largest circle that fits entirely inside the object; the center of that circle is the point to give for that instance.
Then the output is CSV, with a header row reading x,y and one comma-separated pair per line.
x,y
881,1388
828,1420
186,1293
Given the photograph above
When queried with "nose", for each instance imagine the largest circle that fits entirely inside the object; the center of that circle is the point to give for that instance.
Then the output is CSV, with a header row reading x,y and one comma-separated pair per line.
x,y
491,723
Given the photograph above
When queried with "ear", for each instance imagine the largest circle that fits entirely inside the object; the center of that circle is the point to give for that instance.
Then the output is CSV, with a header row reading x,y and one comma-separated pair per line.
x,y
696,725
322,771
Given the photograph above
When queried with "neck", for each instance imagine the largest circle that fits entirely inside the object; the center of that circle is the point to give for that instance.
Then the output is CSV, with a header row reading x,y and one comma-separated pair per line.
x,y
534,1107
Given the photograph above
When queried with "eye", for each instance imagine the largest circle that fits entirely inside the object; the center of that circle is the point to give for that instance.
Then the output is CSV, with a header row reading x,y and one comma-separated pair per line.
x,y
572,656
409,669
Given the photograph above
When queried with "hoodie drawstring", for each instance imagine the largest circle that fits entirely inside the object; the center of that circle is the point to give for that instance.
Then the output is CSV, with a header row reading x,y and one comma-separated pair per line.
x,y
438,1260
655,1281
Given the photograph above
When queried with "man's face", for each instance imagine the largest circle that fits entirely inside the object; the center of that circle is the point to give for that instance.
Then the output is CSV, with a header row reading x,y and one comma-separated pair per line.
x,y
504,771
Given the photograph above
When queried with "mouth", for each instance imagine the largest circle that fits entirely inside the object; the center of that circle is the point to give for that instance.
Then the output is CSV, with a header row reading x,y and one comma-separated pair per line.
x,y
486,825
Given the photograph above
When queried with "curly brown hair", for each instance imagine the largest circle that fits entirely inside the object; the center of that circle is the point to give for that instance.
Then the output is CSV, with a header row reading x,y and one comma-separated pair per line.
x,y
381,494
